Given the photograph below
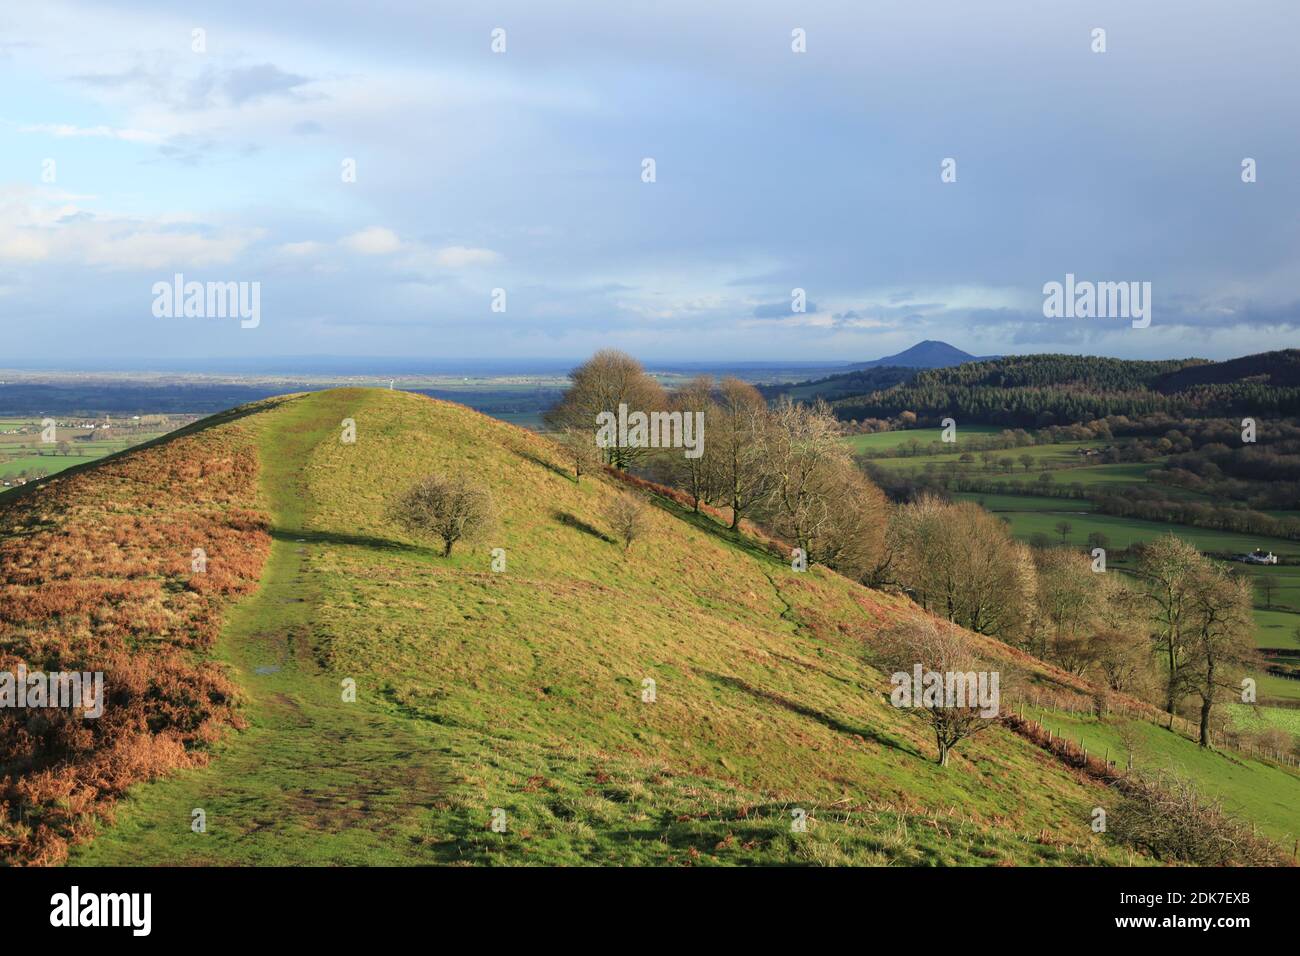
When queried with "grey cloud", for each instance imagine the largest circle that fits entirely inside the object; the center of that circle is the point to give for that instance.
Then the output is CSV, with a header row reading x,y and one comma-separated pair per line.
x,y
162,80
254,82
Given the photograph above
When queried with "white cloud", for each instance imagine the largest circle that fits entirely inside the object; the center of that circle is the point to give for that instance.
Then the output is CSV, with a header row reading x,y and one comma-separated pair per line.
x,y
417,257
23,248
458,257
152,249
38,225
374,241
301,249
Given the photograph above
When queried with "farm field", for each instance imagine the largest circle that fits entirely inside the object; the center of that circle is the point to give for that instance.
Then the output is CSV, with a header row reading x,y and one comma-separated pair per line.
x,y
1063,467
24,456
997,502
1261,790
1061,460
887,441
1124,532
1271,686
1276,628
1059,456
1246,717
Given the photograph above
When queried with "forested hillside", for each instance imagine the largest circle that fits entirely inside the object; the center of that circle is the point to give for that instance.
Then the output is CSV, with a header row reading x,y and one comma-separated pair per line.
x,y
1040,390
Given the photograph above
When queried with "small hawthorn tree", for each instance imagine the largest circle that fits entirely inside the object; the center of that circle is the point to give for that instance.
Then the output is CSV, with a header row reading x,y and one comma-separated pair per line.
x,y
626,516
579,448
938,649
448,507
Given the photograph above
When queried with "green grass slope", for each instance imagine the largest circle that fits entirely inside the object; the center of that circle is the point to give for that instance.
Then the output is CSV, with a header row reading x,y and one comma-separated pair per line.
x,y
521,690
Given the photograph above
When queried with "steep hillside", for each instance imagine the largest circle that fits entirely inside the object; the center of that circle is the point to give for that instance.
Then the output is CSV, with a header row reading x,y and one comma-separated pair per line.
x,y
521,690
838,386
97,574
1279,369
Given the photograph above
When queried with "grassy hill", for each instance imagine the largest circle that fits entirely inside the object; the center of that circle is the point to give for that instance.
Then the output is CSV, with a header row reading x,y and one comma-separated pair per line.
x,y
521,690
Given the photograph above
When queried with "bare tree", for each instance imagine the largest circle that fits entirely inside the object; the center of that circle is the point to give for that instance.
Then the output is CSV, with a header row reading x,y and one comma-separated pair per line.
x,y
799,449
601,384
1068,600
448,507
943,650
1123,659
1219,646
697,475
579,448
960,561
853,540
627,517
1122,652
1168,567
1267,588
735,424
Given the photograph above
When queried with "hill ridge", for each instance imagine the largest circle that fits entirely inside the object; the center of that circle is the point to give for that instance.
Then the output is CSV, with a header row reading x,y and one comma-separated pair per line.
x,y
521,691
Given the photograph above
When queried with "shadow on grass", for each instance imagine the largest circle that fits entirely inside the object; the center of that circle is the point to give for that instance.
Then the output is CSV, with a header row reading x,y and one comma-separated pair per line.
x,y
573,521
296,535
826,720
737,539
548,465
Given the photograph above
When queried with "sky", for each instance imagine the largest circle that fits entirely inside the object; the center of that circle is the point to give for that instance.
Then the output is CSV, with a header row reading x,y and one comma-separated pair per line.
x,y
141,139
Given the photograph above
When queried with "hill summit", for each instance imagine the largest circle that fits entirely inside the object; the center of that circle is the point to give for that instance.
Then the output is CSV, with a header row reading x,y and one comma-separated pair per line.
x,y
928,354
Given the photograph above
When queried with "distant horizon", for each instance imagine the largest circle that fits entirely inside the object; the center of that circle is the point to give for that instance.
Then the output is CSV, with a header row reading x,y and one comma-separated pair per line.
x,y
375,365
